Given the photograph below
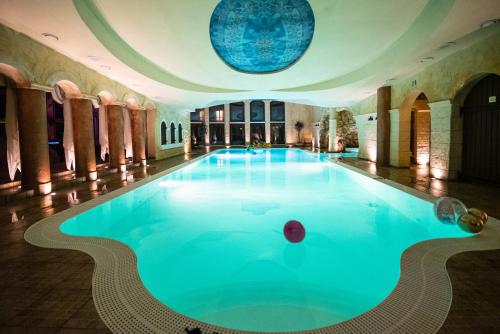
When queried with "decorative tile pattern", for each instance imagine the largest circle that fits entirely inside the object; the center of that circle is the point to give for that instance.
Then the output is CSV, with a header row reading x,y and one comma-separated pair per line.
x,y
261,36
419,303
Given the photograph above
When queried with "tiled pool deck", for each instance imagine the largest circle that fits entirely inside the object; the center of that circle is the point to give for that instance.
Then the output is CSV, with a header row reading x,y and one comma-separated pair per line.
x,y
49,290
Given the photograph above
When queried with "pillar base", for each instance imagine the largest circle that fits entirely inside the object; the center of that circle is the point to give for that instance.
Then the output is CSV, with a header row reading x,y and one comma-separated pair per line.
x,y
122,168
143,162
45,188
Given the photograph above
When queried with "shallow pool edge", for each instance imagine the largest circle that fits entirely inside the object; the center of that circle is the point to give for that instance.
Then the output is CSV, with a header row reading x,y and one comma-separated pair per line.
x,y
420,302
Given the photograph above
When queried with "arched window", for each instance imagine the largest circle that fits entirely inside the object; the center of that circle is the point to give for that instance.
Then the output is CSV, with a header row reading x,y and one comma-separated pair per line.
x,y
179,128
172,133
163,133
257,111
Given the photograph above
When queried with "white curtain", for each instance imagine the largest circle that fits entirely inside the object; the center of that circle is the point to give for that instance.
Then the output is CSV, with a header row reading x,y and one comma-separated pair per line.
x,y
103,131
127,133
68,144
12,132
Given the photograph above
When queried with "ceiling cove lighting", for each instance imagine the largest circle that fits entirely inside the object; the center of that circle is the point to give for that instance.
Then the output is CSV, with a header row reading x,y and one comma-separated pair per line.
x,y
261,36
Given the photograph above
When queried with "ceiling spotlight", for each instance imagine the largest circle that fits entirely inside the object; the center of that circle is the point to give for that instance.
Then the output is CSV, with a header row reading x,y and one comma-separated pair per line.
x,y
426,59
390,80
157,97
50,36
94,58
106,67
489,23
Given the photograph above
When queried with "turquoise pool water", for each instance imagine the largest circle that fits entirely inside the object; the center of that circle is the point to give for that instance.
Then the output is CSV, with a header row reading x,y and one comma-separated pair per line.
x,y
210,245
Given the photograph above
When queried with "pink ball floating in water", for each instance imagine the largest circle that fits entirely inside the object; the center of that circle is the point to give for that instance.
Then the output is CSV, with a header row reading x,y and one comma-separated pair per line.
x,y
294,231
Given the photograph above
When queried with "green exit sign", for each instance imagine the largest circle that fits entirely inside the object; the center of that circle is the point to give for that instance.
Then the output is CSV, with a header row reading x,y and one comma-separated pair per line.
x,y
492,99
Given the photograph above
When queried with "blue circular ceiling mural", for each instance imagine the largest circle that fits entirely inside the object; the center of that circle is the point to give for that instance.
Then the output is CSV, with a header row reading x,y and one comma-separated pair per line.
x,y
261,36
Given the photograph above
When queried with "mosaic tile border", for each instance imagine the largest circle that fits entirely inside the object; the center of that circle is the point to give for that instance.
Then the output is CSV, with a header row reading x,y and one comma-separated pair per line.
x,y
419,303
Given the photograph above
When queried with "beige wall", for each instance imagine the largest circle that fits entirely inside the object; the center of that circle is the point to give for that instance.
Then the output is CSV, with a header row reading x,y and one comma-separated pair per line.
x,y
43,66
167,114
441,82
298,112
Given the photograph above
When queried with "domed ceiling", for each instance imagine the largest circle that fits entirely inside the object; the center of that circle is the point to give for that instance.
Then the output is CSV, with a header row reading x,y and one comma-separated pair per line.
x,y
334,53
261,36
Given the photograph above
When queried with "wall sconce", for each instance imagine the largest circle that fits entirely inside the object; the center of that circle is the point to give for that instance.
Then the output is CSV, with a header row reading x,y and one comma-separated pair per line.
x,y
370,118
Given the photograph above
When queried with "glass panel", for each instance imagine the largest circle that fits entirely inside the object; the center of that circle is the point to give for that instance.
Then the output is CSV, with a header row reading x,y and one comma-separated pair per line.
x,y
277,111
277,133
237,112
257,111
216,113
217,134
237,134
196,116
257,132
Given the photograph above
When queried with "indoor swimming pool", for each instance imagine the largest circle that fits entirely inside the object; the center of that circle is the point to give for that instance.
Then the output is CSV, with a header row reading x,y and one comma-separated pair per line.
x,y
209,238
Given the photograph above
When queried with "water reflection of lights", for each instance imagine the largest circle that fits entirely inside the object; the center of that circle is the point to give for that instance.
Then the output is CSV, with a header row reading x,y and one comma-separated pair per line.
x,y
220,163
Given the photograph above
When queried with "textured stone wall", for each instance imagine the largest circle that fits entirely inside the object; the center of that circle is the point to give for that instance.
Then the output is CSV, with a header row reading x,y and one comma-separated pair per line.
x,y
346,128
422,136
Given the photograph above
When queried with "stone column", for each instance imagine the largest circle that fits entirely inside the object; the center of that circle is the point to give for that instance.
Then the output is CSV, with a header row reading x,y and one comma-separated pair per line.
x,y
137,123
83,136
33,138
394,138
247,122
151,132
383,125
332,131
207,124
227,128
267,119
441,140
115,137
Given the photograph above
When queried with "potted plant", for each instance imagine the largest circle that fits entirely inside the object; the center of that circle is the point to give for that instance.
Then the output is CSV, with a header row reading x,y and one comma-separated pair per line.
x,y
299,126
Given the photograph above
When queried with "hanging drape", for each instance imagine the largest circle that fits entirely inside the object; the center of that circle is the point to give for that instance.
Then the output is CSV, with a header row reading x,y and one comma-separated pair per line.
x,y
12,133
68,144
127,133
103,131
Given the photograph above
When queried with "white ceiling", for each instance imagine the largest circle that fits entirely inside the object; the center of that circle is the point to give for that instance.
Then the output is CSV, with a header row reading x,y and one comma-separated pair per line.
x,y
356,47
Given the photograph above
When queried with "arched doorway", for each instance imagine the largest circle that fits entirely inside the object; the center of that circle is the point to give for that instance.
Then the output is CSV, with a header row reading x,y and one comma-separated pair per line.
x,y
481,127
420,132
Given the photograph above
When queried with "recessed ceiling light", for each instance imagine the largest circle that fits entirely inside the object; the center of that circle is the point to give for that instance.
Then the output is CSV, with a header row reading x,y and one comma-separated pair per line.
x,y
94,58
157,97
426,59
488,23
106,67
390,80
447,45
136,85
50,36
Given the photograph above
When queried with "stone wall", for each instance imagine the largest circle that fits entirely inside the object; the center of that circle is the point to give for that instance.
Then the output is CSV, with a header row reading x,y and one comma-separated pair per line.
x,y
442,83
346,128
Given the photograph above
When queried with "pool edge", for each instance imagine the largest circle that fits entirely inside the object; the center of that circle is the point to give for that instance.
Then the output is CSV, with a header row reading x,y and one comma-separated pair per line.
x,y
420,301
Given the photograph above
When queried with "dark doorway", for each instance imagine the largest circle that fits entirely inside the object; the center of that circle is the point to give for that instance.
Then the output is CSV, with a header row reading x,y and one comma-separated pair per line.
x,y
257,132
278,133
55,127
237,134
481,127
197,135
216,134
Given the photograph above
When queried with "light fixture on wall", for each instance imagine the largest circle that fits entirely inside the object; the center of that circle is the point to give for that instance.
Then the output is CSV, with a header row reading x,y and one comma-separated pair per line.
x,y
370,118
426,59
489,23
50,36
